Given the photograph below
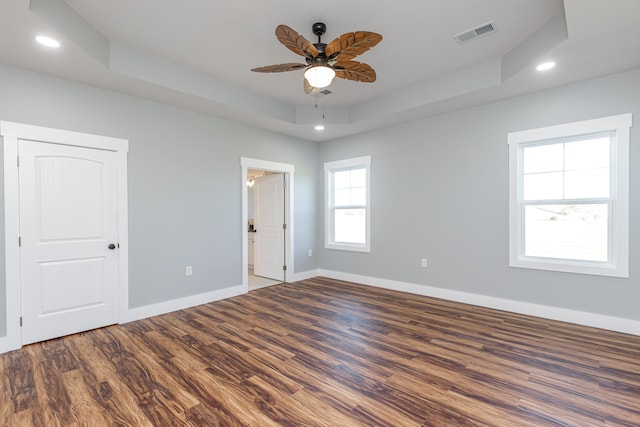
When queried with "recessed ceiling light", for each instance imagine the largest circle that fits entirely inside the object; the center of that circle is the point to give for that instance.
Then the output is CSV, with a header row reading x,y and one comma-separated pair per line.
x,y
319,127
546,66
47,41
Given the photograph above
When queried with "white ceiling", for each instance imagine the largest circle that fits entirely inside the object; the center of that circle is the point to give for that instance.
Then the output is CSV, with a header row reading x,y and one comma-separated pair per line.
x,y
198,54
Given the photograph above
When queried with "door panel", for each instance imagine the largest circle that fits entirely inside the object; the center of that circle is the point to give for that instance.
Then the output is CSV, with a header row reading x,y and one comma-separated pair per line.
x,y
69,285
69,208
68,217
269,218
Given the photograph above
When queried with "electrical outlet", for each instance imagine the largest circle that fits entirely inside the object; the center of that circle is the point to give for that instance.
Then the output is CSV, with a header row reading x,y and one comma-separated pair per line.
x,y
188,270
424,263
310,252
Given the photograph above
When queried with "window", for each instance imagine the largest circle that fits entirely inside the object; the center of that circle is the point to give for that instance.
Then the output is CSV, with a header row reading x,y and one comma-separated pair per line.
x,y
569,197
347,204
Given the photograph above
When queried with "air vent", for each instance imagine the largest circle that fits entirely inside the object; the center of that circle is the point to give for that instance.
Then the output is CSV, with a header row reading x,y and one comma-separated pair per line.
x,y
474,33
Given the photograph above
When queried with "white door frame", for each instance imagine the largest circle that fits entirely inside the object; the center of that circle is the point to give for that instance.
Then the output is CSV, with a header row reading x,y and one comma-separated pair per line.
x,y
12,132
288,171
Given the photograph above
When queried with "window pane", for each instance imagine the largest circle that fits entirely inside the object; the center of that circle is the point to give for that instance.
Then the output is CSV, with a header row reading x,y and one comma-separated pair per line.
x,y
342,197
342,179
589,183
576,232
359,177
349,226
543,158
346,209
543,186
589,154
358,197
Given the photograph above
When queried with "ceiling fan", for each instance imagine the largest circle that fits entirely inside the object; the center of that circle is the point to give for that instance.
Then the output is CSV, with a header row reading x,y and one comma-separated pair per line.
x,y
326,61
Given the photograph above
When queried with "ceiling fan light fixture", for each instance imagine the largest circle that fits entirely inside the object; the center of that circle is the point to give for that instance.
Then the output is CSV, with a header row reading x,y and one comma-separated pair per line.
x,y
320,76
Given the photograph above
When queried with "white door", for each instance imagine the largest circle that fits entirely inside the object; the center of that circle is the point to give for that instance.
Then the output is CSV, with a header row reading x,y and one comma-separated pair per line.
x,y
269,220
68,231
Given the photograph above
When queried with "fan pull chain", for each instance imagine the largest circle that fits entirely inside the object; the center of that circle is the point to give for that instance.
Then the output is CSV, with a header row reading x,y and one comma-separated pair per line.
x,y
323,107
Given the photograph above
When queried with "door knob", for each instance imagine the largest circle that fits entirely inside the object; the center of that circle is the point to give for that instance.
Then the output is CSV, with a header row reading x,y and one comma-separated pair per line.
x,y
111,246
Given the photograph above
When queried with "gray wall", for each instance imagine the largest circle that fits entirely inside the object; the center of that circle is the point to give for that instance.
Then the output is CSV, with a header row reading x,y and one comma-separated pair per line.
x,y
184,182
439,190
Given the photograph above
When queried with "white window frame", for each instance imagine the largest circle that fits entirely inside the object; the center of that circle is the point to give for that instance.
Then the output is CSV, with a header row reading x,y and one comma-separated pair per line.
x,y
618,263
329,169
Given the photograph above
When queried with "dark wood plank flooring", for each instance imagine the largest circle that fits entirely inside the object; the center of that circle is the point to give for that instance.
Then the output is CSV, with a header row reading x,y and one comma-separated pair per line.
x,y
327,353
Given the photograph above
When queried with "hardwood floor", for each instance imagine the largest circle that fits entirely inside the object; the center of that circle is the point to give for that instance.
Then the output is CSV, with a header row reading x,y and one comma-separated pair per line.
x,y
327,353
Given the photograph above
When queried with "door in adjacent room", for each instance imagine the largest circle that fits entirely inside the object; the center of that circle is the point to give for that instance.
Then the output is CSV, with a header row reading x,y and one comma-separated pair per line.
x,y
270,226
68,239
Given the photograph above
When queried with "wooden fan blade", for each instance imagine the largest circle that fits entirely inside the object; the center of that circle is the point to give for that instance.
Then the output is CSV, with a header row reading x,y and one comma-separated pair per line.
x,y
279,68
295,42
350,45
357,71
308,89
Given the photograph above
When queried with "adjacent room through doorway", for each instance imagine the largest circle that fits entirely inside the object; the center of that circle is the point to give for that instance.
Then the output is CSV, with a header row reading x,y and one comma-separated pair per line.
x,y
265,228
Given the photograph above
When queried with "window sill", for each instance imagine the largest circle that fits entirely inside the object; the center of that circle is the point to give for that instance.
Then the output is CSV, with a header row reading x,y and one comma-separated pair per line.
x,y
348,247
577,267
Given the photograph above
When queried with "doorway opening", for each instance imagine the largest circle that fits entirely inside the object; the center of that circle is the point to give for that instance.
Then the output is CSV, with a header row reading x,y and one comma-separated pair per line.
x,y
265,228
267,222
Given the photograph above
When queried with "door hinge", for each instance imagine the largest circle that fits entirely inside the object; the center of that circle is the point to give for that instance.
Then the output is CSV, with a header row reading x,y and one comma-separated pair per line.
x,y
20,321
284,226
18,160
284,268
19,241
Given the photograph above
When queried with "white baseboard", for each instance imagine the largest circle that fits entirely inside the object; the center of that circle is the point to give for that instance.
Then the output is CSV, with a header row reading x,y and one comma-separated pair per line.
x,y
8,343
181,303
612,323
303,275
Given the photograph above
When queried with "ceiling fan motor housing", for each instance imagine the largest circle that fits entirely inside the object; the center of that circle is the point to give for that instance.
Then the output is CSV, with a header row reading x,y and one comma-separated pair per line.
x,y
319,29
321,58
